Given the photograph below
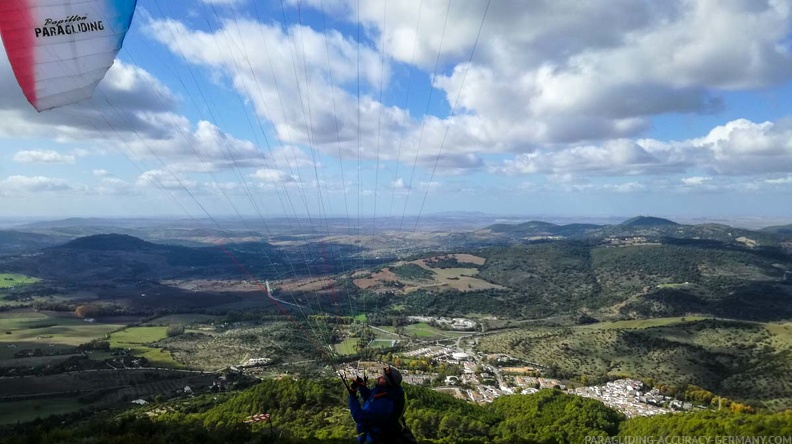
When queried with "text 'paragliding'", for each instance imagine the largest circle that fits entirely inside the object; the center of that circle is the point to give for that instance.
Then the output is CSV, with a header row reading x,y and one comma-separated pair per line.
x,y
73,24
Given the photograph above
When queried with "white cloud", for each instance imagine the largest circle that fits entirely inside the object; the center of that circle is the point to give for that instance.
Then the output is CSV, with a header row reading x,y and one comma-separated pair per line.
x,y
551,72
779,181
745,147
273,176
112,186
165,180
23,185
132,112
619,157
695,181
429,186
739,147
43,156
544,76
551,92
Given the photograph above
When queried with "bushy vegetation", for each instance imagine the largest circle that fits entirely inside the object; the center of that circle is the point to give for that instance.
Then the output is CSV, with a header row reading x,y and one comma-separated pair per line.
x,y
739,360
412,272
710,423
304,411
448,262
670,279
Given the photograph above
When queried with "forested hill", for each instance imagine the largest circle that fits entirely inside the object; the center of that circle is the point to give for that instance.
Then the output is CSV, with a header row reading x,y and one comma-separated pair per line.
x,y
118,257
15,242
645,279
646,221
315,412
624,278
654,228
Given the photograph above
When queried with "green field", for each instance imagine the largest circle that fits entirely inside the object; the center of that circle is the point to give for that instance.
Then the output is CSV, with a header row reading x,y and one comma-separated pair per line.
x,y
186,319
7,281
22,411
11,280
102,388
138,340
347,346
51,332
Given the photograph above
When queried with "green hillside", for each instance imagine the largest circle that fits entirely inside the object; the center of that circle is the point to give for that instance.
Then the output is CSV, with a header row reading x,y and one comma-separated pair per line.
x,y
643,279
315,411
749,362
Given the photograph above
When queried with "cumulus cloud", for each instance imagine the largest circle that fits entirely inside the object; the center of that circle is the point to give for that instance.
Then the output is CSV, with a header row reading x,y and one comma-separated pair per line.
x,y
618,157
550,92
165,180
271,176
22,185
745,147
550,71
739,147
547,75
43,156
780,181
286,74
112,186
695,181
131,112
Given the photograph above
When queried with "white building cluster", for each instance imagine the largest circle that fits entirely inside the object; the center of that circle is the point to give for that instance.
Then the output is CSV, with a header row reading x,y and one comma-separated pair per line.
x,y
626,396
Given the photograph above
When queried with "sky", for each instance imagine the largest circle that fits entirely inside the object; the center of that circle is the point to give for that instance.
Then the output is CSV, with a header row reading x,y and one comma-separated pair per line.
x,y
672,108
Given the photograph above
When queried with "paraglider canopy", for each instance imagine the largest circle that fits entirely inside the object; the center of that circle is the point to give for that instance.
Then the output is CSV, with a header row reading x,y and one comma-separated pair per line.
x,y
61,49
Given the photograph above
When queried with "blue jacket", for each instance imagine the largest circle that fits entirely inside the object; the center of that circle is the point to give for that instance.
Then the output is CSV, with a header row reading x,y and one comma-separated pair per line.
x,y
377,419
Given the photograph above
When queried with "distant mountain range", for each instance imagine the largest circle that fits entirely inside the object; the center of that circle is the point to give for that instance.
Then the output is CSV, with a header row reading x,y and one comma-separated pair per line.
x,y
645,226
642,267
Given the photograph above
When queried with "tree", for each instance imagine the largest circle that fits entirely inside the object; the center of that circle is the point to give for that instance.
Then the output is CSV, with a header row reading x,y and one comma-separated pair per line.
x,y
87,311
174,330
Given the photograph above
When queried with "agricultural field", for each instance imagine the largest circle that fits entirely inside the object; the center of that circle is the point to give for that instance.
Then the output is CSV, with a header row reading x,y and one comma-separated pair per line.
x,y
29,300
381,340
8,280
469,258
26,398
347,346
188,319
23,411
208,349
139,341
462,279
410,276
53,333
425,331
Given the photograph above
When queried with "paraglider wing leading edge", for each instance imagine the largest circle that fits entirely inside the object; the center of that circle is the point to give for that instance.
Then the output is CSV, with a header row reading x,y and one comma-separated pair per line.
x,y
61,49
